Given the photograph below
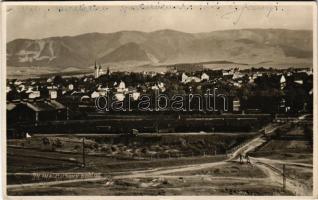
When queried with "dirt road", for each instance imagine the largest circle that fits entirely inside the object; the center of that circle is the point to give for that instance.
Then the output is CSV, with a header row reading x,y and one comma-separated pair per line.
x,y
273,174
266,165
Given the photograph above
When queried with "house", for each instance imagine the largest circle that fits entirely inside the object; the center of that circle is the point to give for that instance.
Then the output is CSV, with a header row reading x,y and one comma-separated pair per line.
x,y
34,94
155,87
205,77
53,94
102,90
135,95
61,112
236,105
282,82
282,106
95,94
120,96
17,82
237,75
37,111
29,90
251,79
228,72
184,78
8,89
21,88
85,99
122,87
71,87
162,87
300,82
49,80
52,87
188,79
236,84
311,92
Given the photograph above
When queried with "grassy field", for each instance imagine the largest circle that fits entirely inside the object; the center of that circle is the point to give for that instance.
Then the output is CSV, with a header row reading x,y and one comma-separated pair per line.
x,y
113,152
160,186
231,169
186,164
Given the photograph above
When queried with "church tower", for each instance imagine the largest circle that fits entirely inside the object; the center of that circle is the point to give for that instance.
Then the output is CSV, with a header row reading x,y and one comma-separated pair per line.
x,y
97,69
108,72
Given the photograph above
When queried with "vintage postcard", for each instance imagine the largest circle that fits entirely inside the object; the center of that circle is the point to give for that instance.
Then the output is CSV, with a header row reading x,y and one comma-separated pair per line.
x,y
158,99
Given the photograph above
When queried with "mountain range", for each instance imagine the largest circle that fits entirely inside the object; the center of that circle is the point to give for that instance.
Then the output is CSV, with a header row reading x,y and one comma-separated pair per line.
x,y
163,47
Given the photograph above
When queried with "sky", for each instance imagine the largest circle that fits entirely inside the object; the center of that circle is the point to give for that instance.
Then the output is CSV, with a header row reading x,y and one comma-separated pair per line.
x,y
36,22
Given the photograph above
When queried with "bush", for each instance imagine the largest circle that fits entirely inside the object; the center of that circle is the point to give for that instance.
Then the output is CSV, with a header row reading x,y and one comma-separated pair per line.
x,y
57,143
144,150
45,141
106,150
95,146
114,148
76,147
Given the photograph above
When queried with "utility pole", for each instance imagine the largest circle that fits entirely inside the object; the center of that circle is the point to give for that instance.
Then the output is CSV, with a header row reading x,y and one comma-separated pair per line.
x,y
157,126
284,177
83,151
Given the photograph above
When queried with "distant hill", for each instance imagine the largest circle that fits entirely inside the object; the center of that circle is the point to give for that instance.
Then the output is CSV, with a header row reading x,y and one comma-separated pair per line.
x,y
247,46
127,52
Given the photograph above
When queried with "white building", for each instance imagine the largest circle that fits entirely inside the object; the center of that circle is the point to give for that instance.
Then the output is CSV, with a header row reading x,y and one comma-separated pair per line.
x,y
71,87
161,86
251,79
188,79
34,94
29,90
21,88
122,87
237,84
300,82
17,83
95,95
103,89
204,76
236,105
227,72
237,75
135,95
8,89
53,94
282,82
155,87
184,78
49,80
120,96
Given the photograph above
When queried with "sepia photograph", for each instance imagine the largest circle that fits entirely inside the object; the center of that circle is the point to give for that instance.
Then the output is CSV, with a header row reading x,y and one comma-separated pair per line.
x,y
158,98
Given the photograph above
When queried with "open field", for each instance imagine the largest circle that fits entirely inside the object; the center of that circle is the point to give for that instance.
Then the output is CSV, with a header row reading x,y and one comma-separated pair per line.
x,y
190,185
35,161
128,147
196,164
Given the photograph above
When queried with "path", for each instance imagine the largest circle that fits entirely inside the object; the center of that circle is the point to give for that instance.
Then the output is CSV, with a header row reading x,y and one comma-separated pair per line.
x,y
266,165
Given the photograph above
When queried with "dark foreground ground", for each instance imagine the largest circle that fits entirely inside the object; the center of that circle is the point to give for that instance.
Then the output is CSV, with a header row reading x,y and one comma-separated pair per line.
x,y
165,164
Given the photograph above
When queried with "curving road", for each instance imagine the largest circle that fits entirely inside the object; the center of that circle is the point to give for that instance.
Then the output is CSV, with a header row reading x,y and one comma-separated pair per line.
x,y
274,175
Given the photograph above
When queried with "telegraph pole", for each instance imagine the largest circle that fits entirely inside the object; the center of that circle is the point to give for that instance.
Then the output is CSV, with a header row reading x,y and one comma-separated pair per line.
x,y
284,177
157,126
83,151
